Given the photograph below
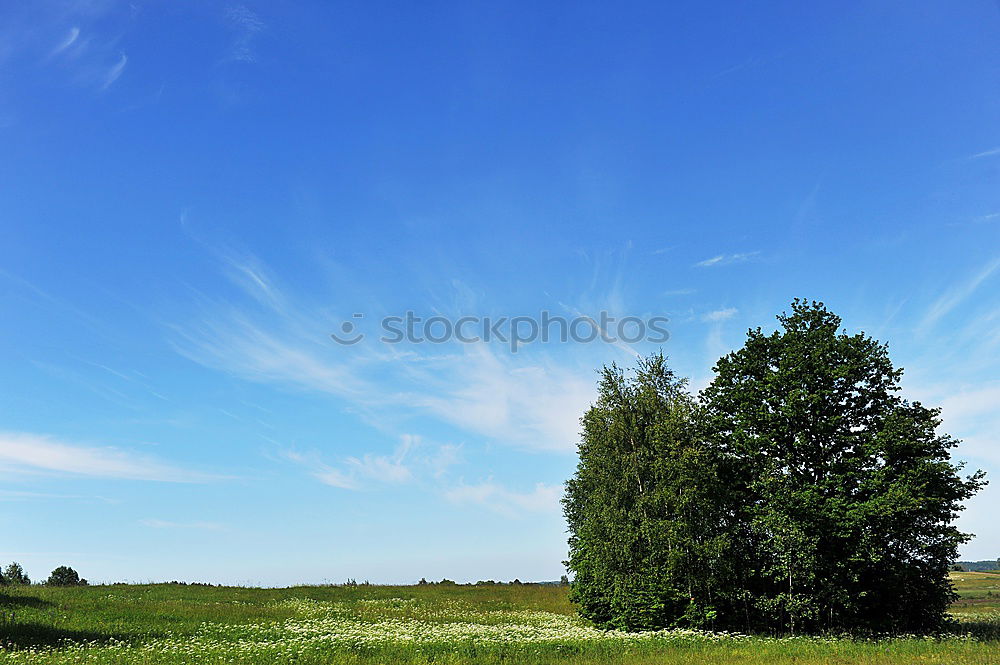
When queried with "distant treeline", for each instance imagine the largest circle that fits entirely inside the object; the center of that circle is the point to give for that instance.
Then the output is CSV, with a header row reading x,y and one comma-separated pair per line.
x,y
979,566
564,581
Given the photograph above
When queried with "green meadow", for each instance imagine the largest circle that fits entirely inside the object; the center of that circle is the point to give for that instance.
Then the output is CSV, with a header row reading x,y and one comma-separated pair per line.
x,y
172,623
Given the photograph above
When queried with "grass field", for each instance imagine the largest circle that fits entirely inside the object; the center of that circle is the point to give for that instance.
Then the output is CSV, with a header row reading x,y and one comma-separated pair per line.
x,y
441,624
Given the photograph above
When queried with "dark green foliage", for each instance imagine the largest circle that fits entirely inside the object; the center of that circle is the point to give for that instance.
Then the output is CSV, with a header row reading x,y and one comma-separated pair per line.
x,y
65,576
645,545
14,574
801,494
844,493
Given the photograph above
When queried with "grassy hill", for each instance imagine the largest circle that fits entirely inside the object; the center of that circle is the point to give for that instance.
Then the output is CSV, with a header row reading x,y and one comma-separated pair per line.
x,y
170,623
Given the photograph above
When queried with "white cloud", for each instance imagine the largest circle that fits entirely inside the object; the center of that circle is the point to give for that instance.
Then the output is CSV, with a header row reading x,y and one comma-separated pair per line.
x,y
410,459
968,411
114,72
447,456
973,415
68,41
720,315
542,499
24,452
726,259
533,403
164,524
972,404
385,468
503,398
246,24
242,347
986,153
335,478
18,495
959,293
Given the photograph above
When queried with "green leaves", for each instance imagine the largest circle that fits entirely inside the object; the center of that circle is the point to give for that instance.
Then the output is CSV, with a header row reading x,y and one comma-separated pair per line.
x,y
799,493
640,518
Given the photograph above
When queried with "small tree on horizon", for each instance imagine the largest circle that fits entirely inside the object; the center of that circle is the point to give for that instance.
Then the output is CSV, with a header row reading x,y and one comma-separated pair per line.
x,y
14,574
65,576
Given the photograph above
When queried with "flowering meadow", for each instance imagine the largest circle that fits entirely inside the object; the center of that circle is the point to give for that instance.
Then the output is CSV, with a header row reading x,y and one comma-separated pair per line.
x,y
133,624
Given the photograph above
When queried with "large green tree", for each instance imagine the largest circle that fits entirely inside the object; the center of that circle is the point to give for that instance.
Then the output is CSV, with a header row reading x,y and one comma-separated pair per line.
x,y
801,493
643,533
844,493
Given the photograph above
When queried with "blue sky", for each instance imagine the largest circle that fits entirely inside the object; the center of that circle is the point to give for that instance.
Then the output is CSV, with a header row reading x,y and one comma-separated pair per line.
x,y
194,196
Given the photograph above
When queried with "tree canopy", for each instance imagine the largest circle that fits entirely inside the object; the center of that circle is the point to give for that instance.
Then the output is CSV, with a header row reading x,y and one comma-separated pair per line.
x,y
639,507
65,576
14,574
799,493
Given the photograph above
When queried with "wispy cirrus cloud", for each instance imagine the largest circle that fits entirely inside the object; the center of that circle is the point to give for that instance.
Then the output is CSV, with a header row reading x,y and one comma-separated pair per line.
x,y
973,412
20,495
79,45
167,524
958,293
986,153
22,452
282,354
412,458
69,40
246,25
727,259
114,72
968,412
498,498
531,403
534,405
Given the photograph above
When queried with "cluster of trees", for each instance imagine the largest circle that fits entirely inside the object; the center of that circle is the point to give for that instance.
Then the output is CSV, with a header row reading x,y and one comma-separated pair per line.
x,y
65,576
351,582
446,582
797,493
976,566
14,575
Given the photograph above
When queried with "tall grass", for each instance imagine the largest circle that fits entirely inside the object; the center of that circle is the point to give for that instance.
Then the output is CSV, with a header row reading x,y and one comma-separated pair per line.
x,y
174,624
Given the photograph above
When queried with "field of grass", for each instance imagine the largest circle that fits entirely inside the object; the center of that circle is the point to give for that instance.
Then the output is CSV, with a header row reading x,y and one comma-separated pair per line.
x,y
441,624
